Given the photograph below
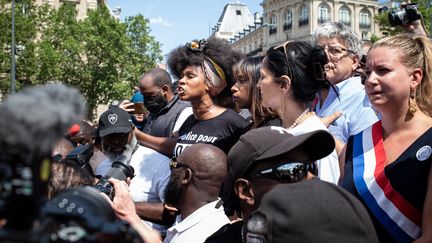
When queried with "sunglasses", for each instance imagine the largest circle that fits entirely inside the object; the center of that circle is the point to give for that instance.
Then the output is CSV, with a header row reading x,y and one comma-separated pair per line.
x,y
174,164
284,46
287,172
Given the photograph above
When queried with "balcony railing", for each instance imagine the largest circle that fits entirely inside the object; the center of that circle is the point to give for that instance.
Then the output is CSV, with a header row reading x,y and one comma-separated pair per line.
x,y
365,25
323,20
303,22
287,26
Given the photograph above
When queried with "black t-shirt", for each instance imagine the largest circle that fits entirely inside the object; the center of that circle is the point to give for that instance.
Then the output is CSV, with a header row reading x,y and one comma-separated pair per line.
x,y
222,131
162,124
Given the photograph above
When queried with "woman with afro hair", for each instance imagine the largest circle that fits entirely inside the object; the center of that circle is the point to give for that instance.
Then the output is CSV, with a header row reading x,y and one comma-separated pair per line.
x,y
204,70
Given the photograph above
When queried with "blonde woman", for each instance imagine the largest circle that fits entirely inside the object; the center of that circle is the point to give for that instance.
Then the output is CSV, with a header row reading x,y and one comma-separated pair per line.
x,y
388,165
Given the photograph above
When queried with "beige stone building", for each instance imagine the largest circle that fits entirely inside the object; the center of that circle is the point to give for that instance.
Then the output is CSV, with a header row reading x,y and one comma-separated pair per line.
x,y
297,19
82,6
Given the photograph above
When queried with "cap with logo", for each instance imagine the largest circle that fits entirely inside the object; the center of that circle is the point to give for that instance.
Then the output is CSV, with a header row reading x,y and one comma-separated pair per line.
x,y
114,120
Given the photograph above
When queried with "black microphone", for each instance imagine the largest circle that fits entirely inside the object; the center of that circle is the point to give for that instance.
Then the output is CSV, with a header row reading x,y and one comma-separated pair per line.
x,y
32,121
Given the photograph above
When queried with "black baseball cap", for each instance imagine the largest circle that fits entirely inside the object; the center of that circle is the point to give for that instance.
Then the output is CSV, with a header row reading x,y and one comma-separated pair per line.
x,y
312,211
114,120
266,143
269,142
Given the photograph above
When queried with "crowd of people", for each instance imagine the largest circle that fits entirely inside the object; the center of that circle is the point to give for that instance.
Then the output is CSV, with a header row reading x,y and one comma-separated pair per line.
x,y
298,145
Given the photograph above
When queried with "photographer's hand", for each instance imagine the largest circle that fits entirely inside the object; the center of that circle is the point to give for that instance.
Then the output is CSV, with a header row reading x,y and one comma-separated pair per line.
x,y
415,27
124,208
122,202
127,106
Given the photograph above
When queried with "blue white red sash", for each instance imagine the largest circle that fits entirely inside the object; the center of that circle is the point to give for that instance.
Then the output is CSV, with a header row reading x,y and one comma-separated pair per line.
x,y
396,214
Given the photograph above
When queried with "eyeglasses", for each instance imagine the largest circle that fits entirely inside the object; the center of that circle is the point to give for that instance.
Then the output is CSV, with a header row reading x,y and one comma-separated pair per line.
x,y
288,172
337,52
175,165
284,46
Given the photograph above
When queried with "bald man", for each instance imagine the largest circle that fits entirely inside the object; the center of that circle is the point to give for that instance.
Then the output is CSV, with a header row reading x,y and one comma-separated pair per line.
x,y
193,188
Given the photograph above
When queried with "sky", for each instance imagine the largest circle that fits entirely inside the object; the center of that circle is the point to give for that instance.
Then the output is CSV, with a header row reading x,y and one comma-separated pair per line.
x,y
175,22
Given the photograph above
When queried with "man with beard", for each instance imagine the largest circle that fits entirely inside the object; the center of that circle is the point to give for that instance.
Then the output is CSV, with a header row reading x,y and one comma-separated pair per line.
x,y
260,160
194,186
166,112
152,171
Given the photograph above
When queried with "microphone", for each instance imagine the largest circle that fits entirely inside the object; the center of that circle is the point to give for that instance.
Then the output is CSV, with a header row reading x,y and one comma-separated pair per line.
x,y
32,121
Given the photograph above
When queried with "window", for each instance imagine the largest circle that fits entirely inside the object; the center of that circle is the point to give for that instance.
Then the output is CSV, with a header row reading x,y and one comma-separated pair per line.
x,y
323,13
273,28
288,20
304,16
238,12
365,35
345,15
365,20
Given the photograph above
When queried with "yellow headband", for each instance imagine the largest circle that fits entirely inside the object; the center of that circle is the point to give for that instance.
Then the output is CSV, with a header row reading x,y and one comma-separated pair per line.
x,y
215,76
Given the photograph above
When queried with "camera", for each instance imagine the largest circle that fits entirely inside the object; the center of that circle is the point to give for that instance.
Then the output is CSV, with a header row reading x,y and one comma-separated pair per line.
x,y
81,214
119,171
81,156
406,14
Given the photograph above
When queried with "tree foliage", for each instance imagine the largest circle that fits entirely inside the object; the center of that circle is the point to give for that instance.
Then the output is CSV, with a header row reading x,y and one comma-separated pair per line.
x,y
100,55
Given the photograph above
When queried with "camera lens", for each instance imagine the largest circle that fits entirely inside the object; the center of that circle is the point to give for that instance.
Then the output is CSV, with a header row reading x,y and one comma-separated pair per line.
x,y
397,17
119,171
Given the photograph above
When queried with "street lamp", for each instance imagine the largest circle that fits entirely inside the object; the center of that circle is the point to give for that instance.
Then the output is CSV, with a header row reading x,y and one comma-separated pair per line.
x,y
13,82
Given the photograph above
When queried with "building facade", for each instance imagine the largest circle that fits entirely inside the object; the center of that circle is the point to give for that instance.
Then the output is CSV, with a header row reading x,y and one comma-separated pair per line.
x,y
234,18
297,20
82,6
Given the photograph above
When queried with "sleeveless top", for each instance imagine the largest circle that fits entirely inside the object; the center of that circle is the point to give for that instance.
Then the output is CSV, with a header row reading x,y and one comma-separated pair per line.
x,y
394,194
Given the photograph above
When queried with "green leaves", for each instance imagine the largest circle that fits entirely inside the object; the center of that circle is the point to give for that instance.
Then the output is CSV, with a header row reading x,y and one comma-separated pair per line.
x,y
99,55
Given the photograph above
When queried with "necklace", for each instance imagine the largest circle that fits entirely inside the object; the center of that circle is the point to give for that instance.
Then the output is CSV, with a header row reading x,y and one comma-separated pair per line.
x,y
296,122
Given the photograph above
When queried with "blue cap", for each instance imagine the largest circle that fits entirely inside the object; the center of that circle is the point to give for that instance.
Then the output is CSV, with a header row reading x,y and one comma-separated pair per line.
x,y
137,98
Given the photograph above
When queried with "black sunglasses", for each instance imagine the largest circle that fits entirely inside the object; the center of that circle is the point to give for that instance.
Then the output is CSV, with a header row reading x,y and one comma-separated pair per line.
x,y
287,172
174,164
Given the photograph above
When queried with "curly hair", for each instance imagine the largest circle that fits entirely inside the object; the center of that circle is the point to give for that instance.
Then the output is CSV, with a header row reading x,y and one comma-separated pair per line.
x,y
66,175
217,50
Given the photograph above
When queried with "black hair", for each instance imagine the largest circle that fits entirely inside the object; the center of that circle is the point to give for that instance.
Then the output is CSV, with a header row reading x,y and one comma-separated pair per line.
x,y
217,50
160,77
304,65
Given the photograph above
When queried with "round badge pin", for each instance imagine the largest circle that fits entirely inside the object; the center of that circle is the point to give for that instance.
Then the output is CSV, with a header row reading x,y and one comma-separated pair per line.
x,y
424,153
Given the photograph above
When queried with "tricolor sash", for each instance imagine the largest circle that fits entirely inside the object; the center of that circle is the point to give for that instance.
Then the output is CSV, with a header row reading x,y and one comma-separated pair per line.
x,y
395,213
